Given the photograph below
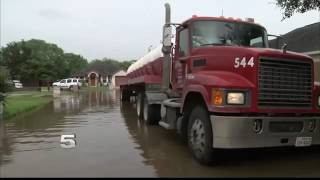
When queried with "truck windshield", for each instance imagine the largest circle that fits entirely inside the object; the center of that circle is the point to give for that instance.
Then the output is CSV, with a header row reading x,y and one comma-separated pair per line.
x,y
219,33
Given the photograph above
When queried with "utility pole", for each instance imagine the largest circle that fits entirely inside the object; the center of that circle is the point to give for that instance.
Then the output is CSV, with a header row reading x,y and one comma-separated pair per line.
x,y
0,22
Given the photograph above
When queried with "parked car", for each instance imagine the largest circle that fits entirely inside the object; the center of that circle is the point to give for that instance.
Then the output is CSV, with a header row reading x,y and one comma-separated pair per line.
x,y
68,83
78,81
17,84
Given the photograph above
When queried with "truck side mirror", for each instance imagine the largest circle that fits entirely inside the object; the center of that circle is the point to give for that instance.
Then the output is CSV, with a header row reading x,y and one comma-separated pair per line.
x,y
284,46
167,33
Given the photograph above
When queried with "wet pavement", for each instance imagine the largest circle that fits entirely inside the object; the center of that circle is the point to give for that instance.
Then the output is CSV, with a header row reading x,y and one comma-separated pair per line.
x,y
112,142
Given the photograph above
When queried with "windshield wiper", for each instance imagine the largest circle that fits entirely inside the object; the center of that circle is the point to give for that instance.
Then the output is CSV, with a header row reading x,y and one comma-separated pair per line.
x,y
213,44
216,44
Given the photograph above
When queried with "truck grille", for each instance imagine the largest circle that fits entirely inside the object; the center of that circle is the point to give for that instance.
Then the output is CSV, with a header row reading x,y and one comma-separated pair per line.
x,y
284,83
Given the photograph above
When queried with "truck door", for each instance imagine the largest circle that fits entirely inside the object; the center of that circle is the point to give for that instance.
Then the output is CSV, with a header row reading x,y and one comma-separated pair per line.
x,y
182,56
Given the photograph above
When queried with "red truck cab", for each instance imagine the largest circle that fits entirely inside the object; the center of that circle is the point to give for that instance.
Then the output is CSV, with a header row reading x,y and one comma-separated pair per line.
x,y
227,89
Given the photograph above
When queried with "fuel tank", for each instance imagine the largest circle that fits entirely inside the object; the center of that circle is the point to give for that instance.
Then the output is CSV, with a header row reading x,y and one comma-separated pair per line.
x,y
149,64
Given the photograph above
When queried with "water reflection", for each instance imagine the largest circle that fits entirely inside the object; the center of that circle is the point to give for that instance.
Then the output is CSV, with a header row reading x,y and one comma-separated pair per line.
x,y
160,148
171,158
103,147
67,102
42,127
112,141
5,148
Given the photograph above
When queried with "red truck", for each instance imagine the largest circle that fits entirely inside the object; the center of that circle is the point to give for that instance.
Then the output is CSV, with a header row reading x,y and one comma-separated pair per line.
x,y
219,86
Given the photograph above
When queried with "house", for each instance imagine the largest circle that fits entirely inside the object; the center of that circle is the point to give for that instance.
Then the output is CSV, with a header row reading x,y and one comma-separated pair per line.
x,y
304,40
97,74
118,78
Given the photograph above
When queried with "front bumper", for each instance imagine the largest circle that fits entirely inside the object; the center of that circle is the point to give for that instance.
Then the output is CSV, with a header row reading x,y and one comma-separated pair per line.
x,y
231,132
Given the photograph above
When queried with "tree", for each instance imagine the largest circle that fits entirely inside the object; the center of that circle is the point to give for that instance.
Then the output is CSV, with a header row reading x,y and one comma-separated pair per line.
x,y
110,65
47,60
4,78
125,64
33,59
38,60
4,87
14,57
105,65
301,6
75,63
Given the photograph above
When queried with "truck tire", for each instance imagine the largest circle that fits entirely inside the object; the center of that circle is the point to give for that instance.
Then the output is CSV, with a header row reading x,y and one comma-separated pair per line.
x,y
140,103
200,136
124,95
151,113
182,130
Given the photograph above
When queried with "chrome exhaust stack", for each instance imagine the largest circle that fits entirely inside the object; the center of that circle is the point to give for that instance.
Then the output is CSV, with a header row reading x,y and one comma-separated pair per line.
x,y
166,49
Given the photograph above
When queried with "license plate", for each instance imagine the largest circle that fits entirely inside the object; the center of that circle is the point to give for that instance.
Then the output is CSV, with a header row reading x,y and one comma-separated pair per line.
x,y
303,141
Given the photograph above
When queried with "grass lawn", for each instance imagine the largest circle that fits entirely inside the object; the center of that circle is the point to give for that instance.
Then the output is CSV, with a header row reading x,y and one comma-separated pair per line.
x,y
24,101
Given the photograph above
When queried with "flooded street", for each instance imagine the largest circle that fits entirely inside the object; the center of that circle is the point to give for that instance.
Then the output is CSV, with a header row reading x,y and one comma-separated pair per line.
x,y
112,142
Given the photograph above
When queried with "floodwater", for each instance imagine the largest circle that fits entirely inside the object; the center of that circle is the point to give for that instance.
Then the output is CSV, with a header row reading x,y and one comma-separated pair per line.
x,y
112,142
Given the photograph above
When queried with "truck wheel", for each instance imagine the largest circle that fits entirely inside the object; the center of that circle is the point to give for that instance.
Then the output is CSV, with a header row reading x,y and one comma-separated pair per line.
x,y
124,96
151,113
140,105
200,136
70,87
182,130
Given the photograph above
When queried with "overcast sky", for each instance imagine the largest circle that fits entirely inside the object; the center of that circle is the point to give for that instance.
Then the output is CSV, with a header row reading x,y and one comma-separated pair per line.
x,y
123,29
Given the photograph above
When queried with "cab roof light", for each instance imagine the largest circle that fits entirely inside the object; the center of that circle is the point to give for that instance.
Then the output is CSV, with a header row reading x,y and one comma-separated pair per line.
x,y
249,20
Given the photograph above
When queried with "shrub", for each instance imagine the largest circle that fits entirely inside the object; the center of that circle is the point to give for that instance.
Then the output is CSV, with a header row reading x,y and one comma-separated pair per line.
x,y
1,97
5,86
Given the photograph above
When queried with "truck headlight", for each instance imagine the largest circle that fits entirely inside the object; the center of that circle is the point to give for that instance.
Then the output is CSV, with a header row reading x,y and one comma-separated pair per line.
x,y
235,98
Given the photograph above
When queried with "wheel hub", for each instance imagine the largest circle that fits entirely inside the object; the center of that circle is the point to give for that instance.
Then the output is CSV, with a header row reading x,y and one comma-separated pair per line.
x,y
197,137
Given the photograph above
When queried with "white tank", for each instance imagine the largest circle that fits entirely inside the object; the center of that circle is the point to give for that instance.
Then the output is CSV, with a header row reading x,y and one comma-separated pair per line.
x,y
150,57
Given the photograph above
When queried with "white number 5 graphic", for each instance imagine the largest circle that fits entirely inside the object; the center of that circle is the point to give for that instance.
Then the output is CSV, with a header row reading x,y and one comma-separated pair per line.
x,y
67,141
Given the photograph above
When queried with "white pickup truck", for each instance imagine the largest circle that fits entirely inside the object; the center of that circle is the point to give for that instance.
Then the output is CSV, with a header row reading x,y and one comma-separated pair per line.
x,y
68,83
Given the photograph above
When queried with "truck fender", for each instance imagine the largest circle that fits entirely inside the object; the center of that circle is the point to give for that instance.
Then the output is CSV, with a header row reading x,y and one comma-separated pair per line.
x,y
182,121
195,89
